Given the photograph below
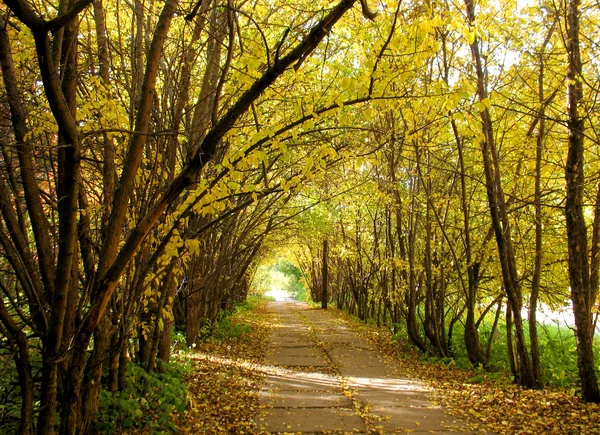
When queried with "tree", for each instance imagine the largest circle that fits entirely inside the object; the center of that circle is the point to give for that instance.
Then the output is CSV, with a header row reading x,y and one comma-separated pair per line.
x,y
583,262
499,213
64,314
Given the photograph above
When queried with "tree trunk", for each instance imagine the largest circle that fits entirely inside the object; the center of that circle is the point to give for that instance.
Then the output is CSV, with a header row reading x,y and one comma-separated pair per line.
x,y
26,385
583,293
164,345
324,277
509,341
68,192
499,214
537,269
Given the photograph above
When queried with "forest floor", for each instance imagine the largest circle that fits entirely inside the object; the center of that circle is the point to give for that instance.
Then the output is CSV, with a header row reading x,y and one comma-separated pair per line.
x,y
231,385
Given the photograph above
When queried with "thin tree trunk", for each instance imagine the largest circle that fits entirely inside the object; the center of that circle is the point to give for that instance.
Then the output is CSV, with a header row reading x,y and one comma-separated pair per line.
x,y
583,294
493,330
537,270
471,335
499,214
509,341
324,276
108,169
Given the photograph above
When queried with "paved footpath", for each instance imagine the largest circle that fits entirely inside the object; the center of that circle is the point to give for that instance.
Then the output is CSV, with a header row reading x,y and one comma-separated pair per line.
x,y
324,378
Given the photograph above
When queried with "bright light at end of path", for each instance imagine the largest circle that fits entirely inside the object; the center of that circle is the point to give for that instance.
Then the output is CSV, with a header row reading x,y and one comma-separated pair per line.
x,y
279,295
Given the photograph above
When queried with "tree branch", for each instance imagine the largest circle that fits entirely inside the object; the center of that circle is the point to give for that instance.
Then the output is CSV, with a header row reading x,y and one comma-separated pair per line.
x,y
367,12
108,282
25,14
61,20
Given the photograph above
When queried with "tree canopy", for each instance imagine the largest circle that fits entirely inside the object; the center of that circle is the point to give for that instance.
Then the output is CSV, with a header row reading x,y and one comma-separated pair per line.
x,y
154,154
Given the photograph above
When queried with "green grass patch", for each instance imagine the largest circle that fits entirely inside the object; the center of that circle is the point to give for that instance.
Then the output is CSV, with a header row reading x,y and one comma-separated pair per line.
x,y
231,324
558,352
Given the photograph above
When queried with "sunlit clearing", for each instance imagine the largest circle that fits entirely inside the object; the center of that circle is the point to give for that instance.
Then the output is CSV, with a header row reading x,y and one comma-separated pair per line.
x,y
280,278
279,282
278,294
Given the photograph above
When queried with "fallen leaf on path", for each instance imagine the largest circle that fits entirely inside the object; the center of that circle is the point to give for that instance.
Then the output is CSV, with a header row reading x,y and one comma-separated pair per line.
x,y
492,404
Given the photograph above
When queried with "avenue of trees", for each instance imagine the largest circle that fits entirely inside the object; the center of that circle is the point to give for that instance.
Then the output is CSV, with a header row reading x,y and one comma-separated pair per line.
x,y
477,190
154,153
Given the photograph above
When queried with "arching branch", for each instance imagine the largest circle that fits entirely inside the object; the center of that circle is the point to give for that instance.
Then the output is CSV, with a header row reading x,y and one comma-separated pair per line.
x,y
366,11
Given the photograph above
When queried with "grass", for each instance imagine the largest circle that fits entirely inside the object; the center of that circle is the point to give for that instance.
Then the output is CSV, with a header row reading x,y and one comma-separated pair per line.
x,y
558,352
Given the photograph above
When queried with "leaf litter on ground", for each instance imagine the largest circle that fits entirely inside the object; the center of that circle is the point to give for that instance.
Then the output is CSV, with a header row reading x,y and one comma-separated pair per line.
x,y
489,402
226,379
227,375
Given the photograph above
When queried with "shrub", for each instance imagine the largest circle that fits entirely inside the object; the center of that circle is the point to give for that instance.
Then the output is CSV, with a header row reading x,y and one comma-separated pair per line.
x,y
558,350
149,401
10,399
225,329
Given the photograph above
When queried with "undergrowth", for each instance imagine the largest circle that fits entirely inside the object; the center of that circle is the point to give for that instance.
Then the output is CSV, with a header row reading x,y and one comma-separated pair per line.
x,y
558,352
150,400
231,323
557,344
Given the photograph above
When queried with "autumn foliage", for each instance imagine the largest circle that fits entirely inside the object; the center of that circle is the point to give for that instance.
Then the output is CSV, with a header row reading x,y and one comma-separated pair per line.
x,y
155,154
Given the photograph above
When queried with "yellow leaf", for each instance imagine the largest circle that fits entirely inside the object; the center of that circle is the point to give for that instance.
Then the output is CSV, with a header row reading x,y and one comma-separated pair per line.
x,y
369,113
469,35
474,413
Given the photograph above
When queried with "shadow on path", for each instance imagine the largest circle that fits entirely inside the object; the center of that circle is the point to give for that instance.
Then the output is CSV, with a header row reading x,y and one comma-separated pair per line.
x,y
327,379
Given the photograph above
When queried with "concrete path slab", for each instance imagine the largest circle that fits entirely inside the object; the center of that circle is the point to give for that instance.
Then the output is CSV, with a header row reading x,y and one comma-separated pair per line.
x,y
405,418
303,399
324,378
290,343
277,342
356,357
297,361
345,341
296,351
304,420
295,382
390,383
381,399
